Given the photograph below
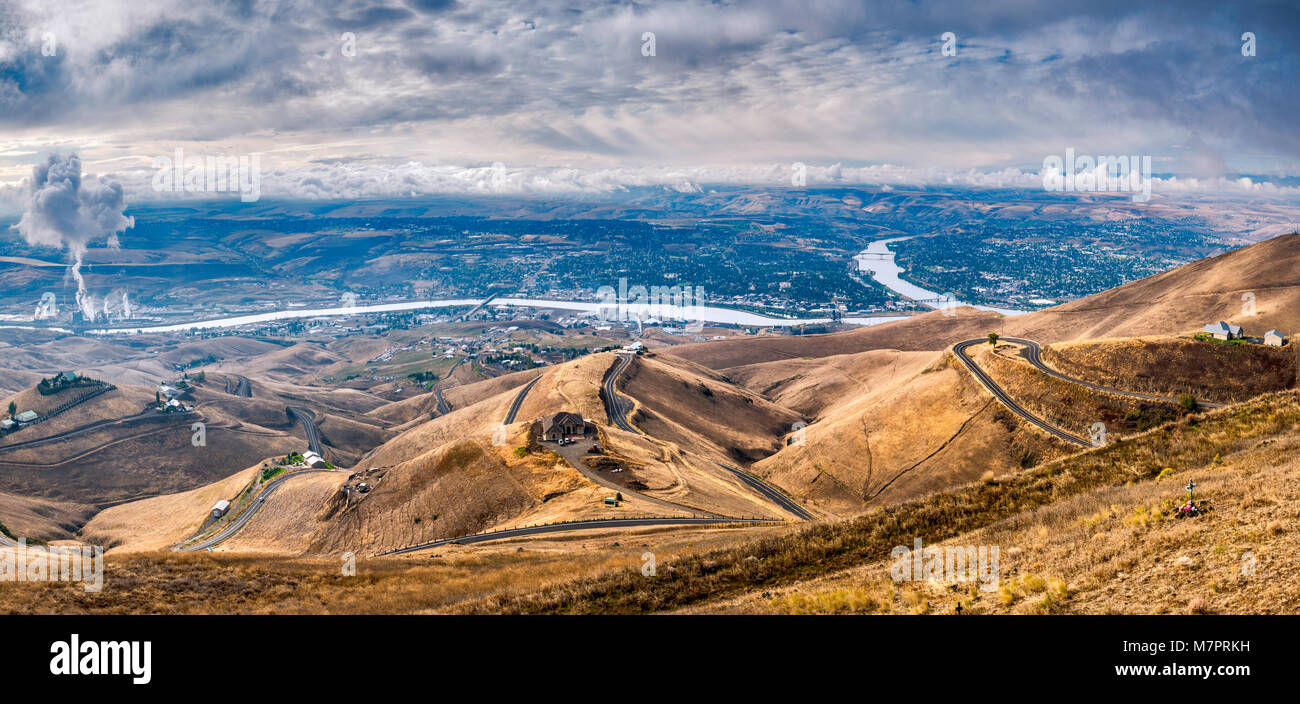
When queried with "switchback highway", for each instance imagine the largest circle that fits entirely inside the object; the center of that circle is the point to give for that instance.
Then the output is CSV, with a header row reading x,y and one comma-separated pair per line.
x,y
1033,353
959,350
772,493
308,420
614,407
248,513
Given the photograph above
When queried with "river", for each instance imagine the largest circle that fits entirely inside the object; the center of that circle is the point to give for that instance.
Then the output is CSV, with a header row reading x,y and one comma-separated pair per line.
x,y
879,261
876,259
707,314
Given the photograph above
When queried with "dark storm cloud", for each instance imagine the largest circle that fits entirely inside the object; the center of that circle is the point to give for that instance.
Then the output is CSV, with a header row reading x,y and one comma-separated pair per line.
x,y
431,6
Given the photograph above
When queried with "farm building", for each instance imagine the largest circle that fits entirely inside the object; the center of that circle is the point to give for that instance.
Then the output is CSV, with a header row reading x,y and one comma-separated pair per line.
x,y
1223,331
311,459
219,509
1274,338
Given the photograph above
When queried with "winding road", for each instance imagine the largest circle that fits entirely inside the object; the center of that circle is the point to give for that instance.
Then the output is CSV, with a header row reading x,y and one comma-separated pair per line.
x,y
1033,353
519,399
618,414
247,514
566,527
308,420
241,387
959,350
486,372
144,416
613,404
772,493
443,407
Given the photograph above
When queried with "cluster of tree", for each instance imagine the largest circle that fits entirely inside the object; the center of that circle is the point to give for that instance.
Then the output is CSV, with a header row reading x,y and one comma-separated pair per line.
x,y
425,376
64,380
199,362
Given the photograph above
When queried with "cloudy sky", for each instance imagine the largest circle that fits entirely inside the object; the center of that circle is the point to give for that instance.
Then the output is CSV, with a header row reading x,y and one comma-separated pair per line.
x,y
408,96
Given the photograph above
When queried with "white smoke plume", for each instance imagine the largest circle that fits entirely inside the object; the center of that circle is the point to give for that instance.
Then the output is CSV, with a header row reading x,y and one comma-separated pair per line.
x,y
63,211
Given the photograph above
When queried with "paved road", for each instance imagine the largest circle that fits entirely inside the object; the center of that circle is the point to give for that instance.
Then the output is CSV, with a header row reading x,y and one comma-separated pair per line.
x,y
147,415
614,405
1034,354
488,372
308,420
519,399
443,407
241,387
249,512
959,350
617,410
566,527
772,493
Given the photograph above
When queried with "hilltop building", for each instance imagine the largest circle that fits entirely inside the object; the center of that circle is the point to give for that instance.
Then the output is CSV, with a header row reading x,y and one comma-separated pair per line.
x,y
1274,338
311,459
1223,331
219,509
562,424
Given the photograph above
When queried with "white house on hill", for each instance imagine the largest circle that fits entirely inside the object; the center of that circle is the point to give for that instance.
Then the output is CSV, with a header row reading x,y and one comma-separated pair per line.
x,y
311,459
1274,338
1223,331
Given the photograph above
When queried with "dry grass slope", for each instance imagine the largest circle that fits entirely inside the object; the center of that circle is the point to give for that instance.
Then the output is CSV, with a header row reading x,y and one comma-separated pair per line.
x,y
698,580
1171,366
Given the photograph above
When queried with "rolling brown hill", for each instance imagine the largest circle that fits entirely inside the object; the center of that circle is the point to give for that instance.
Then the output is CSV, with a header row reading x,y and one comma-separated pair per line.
x,y
1178,301
890,417
904,437
28,517
1184,299
929,331
1167,365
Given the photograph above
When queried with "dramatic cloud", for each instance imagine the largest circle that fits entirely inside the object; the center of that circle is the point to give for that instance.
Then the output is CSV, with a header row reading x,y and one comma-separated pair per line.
x,y
66,212
538,84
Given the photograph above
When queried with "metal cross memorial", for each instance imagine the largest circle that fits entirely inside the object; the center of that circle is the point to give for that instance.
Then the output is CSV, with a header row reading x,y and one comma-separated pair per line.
x,y
1191,485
